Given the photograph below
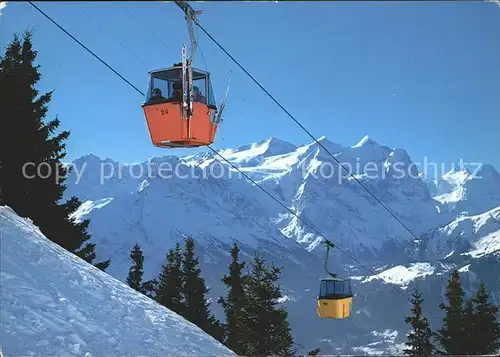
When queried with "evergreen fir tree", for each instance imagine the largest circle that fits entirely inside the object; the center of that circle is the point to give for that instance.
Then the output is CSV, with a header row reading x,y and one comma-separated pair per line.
x,y
453,335
136,272
268,327
169,287
32,174
194,291
419,339
134,279
471,328
485,327
314,352
234,305
149,288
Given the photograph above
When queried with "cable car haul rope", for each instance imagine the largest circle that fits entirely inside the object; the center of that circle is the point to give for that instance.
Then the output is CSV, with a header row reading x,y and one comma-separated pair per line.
x,y
180,112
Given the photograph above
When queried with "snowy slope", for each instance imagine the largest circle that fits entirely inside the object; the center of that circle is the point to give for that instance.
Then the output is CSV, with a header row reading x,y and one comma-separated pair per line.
x,y
210,201
474,236
403,275
55,304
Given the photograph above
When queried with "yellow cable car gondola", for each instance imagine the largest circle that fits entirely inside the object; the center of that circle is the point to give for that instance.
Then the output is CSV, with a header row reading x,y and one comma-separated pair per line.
x,y
335,294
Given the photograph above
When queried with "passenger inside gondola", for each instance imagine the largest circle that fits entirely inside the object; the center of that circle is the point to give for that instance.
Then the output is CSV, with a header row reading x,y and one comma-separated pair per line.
x,y
176,95
198,97
157,96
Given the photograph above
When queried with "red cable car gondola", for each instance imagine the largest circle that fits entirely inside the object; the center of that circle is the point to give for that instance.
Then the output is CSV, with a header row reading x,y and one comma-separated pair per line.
x,y
180,107
180,104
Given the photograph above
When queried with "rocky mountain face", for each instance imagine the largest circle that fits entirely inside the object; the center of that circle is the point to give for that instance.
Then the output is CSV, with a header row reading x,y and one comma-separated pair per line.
x,y
396,228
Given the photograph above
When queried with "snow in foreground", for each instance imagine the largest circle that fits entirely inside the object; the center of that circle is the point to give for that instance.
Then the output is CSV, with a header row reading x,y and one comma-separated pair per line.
x,y
55,304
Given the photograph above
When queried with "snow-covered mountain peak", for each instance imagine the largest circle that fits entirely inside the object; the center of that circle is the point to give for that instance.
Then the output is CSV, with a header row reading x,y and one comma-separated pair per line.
x,y
254,153
399,155
455,177
399,164
458,176
488,172
456,170
476,223
366,141
365,151
469,191
88,158
472,235
92,159
275,146
324,143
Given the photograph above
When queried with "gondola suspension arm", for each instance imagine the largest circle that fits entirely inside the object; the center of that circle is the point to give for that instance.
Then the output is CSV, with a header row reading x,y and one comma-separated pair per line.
x,y
187,75
190,15
328,246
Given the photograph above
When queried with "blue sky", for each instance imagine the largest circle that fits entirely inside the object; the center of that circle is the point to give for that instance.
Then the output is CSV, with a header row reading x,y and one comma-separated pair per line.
x,y
420,76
